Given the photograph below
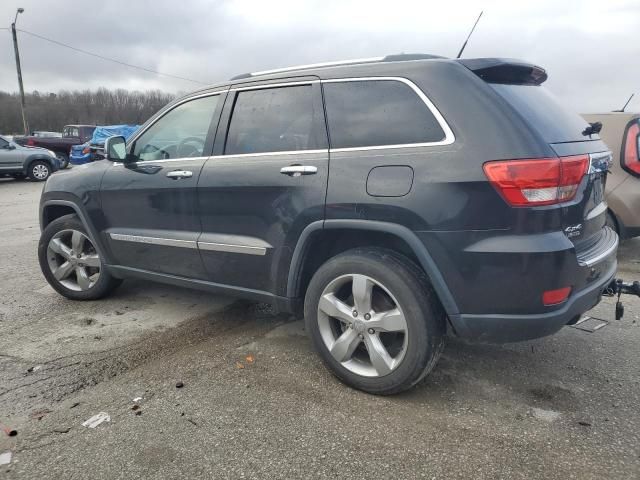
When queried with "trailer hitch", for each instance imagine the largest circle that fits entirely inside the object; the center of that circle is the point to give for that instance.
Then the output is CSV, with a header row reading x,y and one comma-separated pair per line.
x,y
619,287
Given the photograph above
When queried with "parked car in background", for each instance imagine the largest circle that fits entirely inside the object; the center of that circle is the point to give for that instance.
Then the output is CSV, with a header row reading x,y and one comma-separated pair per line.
x,y
394,201
71,135
18,161
621,132
40,133
94,149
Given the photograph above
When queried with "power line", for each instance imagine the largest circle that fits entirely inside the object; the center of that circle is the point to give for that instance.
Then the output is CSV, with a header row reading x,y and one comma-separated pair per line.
x,y
107,58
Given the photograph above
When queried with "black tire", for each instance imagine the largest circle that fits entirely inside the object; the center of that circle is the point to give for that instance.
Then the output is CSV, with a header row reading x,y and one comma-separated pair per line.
x,y
105,283
39,171
425,317
64,160
612,223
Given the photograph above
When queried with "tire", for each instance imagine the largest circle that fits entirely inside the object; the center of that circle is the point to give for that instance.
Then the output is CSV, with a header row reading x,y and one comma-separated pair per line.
x,y
410,353
64,160
612,223
75,277
39,171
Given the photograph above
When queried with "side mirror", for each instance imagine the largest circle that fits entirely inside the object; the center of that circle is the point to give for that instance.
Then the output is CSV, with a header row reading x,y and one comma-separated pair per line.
x,y
115,149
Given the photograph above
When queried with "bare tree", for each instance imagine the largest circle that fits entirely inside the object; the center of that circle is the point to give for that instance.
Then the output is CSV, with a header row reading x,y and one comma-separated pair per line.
x,y
52,111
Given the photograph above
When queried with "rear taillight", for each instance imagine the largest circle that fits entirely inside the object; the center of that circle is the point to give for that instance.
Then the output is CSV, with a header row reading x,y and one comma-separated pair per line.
x,y
630,156
538,181
30,142
86,150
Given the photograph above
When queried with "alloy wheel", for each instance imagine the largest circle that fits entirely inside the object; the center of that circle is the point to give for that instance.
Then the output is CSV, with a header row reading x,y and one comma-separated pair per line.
x,y
362,325
40,171
73,260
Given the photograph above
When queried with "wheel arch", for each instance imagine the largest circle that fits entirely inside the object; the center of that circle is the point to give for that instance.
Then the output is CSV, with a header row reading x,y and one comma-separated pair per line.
x,y
53,209
302,262
38,157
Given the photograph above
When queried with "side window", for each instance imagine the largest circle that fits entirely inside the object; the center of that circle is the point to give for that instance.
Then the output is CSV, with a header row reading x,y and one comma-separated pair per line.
x,y
369,113
180,133
274,120
3,142
71,132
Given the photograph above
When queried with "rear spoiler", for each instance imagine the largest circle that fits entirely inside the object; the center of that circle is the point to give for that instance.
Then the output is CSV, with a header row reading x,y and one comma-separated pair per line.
x,y
504,70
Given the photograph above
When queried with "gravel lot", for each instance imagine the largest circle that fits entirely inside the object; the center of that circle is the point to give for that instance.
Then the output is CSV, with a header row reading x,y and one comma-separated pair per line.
x,y
257,403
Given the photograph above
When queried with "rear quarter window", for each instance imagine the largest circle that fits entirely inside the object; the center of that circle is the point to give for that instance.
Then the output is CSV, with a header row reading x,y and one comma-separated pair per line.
x,y
541,109
368,113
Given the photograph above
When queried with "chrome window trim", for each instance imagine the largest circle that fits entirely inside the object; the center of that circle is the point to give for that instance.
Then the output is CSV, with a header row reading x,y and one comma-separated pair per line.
x,y
449,137
286,152
181,102
166,242
231,248
167,160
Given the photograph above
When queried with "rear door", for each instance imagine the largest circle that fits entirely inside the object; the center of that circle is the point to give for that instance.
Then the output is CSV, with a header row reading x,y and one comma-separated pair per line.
x,y
10,158
150,203
265,184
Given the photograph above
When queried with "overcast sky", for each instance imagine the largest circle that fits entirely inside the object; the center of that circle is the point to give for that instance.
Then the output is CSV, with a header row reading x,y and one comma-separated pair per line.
x,y
590,48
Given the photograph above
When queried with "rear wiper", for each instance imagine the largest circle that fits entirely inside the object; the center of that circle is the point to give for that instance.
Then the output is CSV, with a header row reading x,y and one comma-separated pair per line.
x,y
592,129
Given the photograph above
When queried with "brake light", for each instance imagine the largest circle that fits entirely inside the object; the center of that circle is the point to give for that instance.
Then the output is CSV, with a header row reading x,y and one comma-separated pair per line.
x,y
630,158
554,297
30,142
537,181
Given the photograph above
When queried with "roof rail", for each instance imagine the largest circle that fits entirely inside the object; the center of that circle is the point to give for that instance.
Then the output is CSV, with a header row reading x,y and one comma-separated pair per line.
x,y
359,61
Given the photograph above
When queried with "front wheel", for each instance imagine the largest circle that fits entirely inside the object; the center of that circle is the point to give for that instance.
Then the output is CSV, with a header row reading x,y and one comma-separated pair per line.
x,y
39,171
375,320
71,263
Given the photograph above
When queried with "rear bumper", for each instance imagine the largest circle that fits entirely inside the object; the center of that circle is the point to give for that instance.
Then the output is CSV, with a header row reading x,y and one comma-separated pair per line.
x,y
498,328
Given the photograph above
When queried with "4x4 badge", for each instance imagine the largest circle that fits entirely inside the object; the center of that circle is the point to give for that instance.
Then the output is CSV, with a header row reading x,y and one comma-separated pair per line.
x,y
573,231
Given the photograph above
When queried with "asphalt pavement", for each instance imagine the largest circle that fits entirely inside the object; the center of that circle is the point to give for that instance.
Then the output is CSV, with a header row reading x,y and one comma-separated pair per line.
x,y
197,386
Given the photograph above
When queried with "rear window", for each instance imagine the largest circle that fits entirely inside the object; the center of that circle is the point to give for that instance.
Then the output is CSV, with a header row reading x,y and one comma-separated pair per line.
x,y
543,111
368,113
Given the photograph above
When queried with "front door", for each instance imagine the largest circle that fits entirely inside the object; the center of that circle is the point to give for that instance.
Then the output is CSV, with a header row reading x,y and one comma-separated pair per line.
x,y
10,157
265,184
150,202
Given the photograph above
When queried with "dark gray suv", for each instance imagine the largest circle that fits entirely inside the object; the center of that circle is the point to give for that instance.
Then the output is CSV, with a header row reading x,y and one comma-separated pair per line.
x,y
393,201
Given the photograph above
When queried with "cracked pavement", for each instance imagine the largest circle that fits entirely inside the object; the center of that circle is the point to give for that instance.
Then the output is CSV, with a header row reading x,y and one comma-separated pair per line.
x,y
256,402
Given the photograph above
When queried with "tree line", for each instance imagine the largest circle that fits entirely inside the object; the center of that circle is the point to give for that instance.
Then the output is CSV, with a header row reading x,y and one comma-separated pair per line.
x,y
52,111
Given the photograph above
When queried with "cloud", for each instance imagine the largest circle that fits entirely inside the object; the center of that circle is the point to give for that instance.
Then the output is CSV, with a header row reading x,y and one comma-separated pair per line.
x,y
589,47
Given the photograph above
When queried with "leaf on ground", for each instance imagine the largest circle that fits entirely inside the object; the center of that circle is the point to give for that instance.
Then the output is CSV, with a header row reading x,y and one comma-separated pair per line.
x,y
239,365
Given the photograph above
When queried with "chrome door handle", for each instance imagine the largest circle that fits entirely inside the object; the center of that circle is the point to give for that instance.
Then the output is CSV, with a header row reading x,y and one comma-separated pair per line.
x,y
297,170
176,174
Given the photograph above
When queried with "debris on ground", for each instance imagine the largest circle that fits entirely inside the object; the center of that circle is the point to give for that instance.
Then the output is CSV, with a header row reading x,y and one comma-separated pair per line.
x,y
250,358
38,414
239,365
137,399
75,404
545,415
5,458
584,423
135,407
34,369
179,384
96,420
10,432
62,429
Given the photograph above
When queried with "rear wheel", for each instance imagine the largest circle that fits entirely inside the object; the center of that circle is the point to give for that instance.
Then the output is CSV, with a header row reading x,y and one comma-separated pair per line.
x,y
375,320
63,158
39,171
70,262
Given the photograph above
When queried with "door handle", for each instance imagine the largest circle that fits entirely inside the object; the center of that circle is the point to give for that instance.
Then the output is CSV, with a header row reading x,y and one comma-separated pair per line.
x,y
297,170
176,174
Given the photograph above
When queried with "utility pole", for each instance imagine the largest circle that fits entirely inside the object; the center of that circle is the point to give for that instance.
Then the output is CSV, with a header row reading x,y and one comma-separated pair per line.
x,y
19,70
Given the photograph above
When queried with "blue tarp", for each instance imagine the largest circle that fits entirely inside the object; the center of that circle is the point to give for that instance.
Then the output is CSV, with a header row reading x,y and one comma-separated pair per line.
x,y
100,134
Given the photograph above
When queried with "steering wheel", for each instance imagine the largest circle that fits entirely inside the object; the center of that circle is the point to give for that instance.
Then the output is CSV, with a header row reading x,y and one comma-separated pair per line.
x,y
190,147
